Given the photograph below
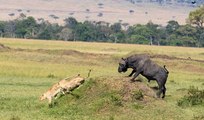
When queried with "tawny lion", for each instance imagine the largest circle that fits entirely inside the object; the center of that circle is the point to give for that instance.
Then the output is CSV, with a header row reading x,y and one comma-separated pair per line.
x,y
64,86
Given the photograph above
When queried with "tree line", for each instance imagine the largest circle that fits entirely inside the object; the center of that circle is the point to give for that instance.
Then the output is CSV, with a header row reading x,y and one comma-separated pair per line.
x,y
191,34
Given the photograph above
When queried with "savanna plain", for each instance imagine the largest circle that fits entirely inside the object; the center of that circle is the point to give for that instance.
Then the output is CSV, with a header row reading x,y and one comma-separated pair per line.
x,y
30,67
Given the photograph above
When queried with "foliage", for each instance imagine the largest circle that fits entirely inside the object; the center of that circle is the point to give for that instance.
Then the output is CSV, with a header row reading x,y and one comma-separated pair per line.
x,y
116,100
194,97
137,95
152,34
197,17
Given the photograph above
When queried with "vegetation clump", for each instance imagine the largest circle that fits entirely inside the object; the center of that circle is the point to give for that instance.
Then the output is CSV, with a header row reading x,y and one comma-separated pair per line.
x,y
137,95
194,97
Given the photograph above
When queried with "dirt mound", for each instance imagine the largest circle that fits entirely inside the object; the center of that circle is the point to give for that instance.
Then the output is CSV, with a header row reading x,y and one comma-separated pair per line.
x,y
163,56
63,52
71,52
130,91
174,58
137,91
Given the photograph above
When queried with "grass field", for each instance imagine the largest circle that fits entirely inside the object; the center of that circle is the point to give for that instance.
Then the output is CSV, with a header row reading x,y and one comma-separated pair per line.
x,y
29,67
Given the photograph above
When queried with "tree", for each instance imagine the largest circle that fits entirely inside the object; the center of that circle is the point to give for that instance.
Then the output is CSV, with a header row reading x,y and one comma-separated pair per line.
x,y
116,27
10,28
186,30
197,17
186,34
172,26
49,31
26,28
138,39
70,22
2,26
65,34
154,33
142,30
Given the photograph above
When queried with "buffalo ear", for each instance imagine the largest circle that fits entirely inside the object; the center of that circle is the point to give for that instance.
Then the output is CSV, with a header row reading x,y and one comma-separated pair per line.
x,y
123,59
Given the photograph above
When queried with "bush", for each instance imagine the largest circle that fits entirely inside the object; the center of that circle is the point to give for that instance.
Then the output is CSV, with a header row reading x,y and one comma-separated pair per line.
x,y
137,95
116,100
194,97
51,75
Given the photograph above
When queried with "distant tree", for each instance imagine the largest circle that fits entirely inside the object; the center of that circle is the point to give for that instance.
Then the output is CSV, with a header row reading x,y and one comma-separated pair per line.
x,y
103,31
19,10
187,41
100,14
154,33
11,14
197,17
138,39
116,31
70,22
186,34
201,40
125,25
9,29
40,20
72,13
141,31
87,10
54,16
26,28
49,31
118,37
172,26
66,34
131,11
186,30
2,26
22,16
116,27
100,4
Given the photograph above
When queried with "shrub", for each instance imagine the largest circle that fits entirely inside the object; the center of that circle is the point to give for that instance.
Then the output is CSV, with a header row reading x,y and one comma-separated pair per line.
x,y
51,75
194,97
116,100
137,95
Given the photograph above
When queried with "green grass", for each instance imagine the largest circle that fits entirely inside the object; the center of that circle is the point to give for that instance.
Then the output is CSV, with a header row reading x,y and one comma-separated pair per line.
x,y
30,67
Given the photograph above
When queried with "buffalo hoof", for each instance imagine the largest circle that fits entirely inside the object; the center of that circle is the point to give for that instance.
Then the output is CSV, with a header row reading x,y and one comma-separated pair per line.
x,y
158,95
132,80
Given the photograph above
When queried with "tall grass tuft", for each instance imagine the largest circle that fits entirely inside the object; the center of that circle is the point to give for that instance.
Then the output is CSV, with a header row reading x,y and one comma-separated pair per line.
x,y
194,97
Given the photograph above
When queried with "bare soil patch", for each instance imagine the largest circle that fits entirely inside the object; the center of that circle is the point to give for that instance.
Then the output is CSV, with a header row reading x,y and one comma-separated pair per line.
x,y
65,52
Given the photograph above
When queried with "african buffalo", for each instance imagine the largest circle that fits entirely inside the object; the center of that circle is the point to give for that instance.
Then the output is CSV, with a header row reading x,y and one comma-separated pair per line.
x,y
141,64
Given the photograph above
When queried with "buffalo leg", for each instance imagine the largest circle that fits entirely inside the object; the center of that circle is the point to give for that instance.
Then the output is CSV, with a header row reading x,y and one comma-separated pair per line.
x,y
162,89
135,75
133,71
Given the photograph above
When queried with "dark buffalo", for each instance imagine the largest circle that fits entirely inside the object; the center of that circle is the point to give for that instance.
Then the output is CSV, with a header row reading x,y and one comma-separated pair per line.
x,y
141,64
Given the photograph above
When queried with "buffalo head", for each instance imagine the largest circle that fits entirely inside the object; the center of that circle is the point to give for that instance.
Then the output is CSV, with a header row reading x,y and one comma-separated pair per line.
x,y
122,65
